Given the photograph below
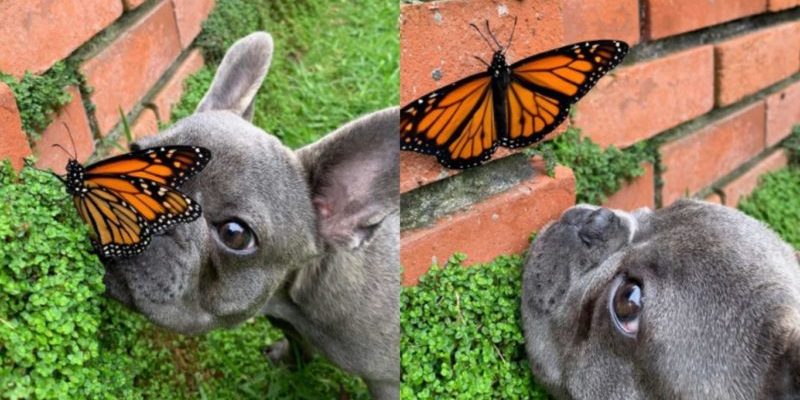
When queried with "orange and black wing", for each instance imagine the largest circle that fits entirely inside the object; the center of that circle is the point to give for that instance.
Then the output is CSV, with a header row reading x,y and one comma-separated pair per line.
x,y
455,123
544,86
116,228
167,165
128,198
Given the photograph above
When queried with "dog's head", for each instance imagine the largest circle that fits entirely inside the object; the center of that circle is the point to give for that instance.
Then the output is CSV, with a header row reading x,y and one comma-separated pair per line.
x,y
692,301
267,210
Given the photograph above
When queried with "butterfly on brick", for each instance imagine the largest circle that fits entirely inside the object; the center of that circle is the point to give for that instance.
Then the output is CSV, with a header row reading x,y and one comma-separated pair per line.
x,y
508,105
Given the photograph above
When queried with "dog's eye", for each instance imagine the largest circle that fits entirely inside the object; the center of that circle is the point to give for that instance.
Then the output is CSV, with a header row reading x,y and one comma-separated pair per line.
x,y
236,235
625,305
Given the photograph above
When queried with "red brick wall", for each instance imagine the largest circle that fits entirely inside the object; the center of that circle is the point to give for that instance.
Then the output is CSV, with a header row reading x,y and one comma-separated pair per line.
x,y
714,86
133,54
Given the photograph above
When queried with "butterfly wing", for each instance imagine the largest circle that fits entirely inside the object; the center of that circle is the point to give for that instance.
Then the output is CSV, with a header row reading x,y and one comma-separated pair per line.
x,y
117,229
129,197
544,86
168,165
455,123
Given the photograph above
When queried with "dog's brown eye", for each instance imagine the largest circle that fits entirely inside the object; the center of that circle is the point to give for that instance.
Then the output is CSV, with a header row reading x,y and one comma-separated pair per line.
x,y
625,305
236,235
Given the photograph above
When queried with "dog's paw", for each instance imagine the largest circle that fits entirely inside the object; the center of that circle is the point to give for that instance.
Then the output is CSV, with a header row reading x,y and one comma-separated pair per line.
x,y
278,352
286,353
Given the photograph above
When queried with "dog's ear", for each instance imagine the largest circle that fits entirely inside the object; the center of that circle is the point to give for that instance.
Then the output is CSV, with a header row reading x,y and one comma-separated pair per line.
x,y
239,76
784,379
354,177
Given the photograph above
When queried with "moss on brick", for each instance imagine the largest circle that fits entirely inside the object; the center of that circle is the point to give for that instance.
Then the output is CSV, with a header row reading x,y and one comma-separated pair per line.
x,y
598,172
776,199
792,146
39,97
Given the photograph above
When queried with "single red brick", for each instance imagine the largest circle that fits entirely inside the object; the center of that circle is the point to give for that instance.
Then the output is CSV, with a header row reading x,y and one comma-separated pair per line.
x,y
13,142
436,39
783,112
35,34
743,185
700,158
499,225
71,121
778,5
124,71
190,15
172,91
638,193
602,19
637,102
146,124
671,17
751,62
131,4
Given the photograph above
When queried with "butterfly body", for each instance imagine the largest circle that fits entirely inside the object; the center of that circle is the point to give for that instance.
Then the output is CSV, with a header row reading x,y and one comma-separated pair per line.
x,y
74,181
501,78
509,105
128,198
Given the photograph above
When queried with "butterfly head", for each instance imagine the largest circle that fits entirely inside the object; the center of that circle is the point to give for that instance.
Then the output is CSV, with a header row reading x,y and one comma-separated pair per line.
x,y
499,65
76,176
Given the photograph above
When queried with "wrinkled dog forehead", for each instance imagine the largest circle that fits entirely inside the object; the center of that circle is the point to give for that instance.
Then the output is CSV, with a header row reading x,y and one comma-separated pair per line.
x,y
238,149
251,176
228,137
692,231
701,222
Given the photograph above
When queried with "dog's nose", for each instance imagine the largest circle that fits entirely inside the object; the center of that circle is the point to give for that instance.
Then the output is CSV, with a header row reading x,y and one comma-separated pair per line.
x,y
597,226
594,224
577,215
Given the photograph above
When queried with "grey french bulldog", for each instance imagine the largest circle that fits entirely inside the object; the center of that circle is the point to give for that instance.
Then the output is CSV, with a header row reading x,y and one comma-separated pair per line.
x,y
694,301
309,238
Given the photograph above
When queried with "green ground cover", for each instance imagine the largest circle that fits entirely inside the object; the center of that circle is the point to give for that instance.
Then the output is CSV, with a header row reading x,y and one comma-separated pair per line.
x,y
61,338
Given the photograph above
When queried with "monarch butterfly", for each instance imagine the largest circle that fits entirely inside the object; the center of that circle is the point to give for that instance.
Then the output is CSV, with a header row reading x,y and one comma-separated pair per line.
x,y
127,198
510,105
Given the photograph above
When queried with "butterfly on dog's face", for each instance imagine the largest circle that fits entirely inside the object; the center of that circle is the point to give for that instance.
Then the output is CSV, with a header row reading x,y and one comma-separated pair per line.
x,y
510,105
128,198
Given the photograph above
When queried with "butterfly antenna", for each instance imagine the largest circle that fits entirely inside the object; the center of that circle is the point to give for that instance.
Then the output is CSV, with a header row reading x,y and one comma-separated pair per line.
x,y
492,35
59,177
74,149
481,60
30,164
482,35
513,28
64,150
